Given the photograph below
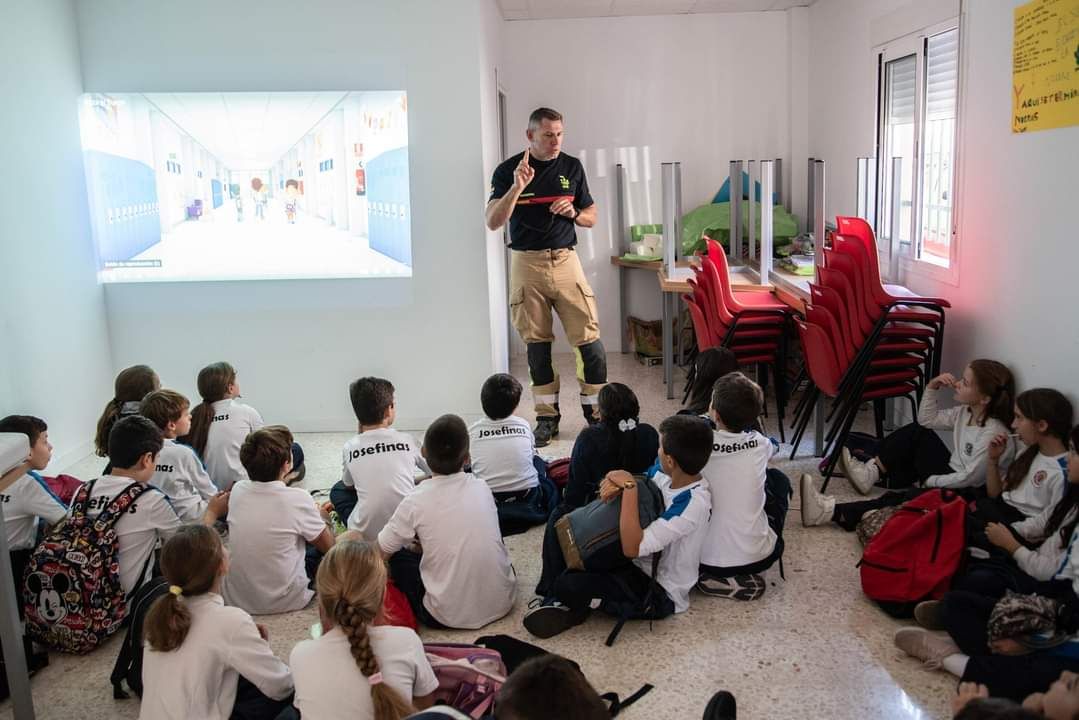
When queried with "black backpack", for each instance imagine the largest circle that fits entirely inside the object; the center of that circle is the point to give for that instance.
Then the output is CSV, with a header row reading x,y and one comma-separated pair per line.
x,y
128,666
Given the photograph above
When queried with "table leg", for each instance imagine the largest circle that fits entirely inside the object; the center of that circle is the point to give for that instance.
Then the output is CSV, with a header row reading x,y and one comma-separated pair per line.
x,y
668,345
623,313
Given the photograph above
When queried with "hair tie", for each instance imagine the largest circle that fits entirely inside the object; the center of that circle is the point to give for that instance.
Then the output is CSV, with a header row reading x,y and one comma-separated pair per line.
x,y
375,679
627,425
176,590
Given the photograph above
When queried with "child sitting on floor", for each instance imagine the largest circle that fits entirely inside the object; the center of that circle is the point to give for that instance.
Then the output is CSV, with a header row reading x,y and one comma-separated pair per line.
x,y
178,471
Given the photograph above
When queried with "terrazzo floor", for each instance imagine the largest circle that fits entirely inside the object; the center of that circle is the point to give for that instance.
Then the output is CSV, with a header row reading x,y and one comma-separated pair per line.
x,y
811,647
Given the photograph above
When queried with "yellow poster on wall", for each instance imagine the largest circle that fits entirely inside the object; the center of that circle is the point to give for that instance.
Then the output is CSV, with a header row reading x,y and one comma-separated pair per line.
x,y
1045,65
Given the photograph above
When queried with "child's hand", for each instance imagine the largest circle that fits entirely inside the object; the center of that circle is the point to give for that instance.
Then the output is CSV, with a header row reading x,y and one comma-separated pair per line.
x,y
1002,537
997,446
943,380
608,491
967,691
219,504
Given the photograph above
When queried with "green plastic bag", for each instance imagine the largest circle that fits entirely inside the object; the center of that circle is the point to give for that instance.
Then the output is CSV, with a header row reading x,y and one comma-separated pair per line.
x,y
714,220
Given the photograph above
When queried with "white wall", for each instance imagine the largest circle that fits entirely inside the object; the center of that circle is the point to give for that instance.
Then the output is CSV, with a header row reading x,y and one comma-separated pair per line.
x,y
55,361
297,344
699,89
1016,292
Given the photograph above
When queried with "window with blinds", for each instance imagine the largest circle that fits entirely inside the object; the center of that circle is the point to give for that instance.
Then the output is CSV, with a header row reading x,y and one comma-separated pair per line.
x,y
938,146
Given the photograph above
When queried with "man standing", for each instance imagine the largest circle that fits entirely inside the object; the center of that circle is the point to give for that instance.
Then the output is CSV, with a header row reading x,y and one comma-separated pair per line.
x,y
543,194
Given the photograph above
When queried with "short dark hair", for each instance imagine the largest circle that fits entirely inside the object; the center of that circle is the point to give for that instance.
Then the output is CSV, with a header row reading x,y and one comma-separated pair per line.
x,y
500,396
163,407
131,438
371,398
995,709
549,686
445,445
292,183
265,452
738,401
688,440
544,113
28,425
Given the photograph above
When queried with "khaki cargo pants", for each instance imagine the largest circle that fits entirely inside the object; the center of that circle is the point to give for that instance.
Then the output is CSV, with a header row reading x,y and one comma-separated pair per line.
x,y
546,280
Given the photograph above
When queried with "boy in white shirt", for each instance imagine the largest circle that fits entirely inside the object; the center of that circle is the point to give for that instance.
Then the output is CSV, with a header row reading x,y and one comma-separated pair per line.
x,y
276,533
178,472
677,535
749,499
28,502
134,443
503,451
379,464
445,551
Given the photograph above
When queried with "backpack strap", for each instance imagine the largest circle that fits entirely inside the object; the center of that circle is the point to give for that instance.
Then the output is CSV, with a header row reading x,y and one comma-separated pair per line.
x,y
82,497
118,506
646,603
616,705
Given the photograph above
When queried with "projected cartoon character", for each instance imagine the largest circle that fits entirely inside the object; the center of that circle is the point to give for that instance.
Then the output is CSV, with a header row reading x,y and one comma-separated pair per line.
x,y
258,191
292,191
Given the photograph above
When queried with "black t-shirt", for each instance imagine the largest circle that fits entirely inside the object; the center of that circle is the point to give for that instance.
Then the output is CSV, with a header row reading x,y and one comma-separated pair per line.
x,y
532,225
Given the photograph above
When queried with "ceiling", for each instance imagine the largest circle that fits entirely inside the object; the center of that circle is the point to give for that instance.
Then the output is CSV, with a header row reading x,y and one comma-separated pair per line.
x,y
545,9
246,130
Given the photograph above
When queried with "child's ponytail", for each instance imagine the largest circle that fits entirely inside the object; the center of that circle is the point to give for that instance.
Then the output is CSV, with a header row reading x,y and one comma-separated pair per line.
x,y
351,583
620,412
190,560
1039,404
131,386
213,383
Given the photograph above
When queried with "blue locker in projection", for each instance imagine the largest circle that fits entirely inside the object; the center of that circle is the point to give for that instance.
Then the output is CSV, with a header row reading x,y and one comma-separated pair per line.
x,y
124,215
215,191
389,217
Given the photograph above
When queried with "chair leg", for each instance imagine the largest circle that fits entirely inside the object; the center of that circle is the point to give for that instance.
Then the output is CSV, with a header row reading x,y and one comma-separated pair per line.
x,y
878,417
833,459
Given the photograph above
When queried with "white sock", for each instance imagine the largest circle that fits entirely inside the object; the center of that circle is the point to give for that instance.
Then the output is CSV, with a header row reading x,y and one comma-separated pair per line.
x,y
956,664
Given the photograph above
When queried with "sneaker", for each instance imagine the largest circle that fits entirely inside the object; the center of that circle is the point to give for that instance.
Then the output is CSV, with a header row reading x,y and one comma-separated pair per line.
x,y
817,509
721,707
930,614
296,475
928,647
546,429
552,618
739,587
863,476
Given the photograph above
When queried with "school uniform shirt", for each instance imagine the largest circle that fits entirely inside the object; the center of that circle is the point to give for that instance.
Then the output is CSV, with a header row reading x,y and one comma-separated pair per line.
x,y
329,684
381,464
232,423
679,535
181,475
149,519
465,566
970,442
738,531
198,679
1044,561
270,525
502,452
27,501
1042,486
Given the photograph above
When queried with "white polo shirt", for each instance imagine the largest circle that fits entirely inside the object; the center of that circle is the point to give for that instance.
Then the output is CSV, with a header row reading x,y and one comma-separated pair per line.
x,y
465,566
181,476
198,679
270,525
502,453
381,464
232,423
27,500
679,534
329,683
149,519
1042,487
738,532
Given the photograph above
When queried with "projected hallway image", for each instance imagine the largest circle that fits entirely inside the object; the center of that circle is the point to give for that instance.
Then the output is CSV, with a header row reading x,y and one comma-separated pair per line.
x,y
242,186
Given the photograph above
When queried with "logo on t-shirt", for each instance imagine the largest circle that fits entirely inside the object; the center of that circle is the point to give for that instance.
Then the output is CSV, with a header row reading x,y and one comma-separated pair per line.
x,y
564,181
218,418
734,447
969,448
503,431
1039,478
378,448
163,468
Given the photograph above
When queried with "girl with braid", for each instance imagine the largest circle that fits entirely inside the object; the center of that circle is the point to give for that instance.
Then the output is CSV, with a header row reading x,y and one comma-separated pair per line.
x,y
359,668
206,660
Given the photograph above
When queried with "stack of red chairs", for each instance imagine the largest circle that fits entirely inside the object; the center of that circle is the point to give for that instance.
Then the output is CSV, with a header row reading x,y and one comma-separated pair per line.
x,y
863,342
751,324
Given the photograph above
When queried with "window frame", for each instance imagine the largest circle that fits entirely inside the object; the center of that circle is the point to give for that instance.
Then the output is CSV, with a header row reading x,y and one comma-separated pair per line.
x,y
909,261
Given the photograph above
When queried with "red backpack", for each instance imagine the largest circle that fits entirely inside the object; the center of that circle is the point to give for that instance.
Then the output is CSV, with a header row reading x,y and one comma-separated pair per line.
x,y
558,472
916,553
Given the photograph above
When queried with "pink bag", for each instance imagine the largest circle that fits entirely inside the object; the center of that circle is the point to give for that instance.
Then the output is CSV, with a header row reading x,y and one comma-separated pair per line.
x,y
469,676
63,487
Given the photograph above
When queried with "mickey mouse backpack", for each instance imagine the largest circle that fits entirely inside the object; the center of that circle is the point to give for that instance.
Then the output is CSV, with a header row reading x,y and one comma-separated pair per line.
x,y
72,591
